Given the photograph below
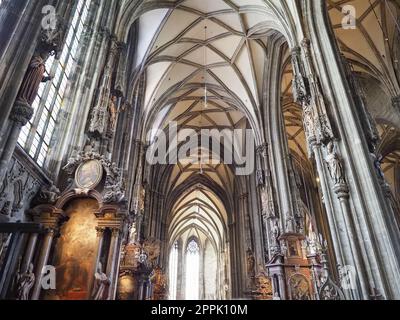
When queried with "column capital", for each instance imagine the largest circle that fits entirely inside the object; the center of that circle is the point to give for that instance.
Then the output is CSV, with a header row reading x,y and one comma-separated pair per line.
x,y
396,103
50,230
100,231
342,191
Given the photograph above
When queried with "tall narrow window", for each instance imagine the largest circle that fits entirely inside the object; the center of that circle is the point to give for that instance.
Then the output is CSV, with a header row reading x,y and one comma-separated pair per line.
x,y
35,137
192,270
173,271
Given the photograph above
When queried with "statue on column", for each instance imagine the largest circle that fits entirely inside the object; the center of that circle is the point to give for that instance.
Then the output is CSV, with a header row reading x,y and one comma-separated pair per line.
x,y
250,263
334,164
49,43
113,111
308,121
101,284
25,282
33,78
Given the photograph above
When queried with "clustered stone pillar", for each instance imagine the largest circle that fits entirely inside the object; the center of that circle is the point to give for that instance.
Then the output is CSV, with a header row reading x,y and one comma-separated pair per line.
x,y
322,148
21,113
30,251
42,262
112,265
97,255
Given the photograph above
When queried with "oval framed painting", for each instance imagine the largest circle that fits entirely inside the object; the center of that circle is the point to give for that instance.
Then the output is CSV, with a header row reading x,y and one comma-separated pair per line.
x,y
89,174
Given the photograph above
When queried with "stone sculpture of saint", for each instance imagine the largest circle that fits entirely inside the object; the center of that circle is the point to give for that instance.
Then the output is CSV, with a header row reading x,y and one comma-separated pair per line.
x,y
276,296
25,283
113,112
33,77
334,164
101,284
250,263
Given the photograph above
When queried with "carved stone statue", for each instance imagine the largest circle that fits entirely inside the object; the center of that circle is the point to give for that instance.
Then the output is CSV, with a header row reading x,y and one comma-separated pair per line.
x,y
260,178
250,263
114,193
142,199
308,121
290,224
25,283
112,109
334,164
276,296
33,77
101,284
264,199
377,160
275,234
49,194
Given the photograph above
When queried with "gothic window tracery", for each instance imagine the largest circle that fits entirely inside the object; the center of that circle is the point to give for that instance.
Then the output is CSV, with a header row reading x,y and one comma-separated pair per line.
x,y
192,270
36,136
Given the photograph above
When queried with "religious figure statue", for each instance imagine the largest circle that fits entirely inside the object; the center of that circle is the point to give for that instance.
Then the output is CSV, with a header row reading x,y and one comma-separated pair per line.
x,y
290,224
101,284
25,283
142,199
260,178
308,121
250,263
276,296
49,194
377,160
33,77
114,193
334,164
112,109
264,198
275,237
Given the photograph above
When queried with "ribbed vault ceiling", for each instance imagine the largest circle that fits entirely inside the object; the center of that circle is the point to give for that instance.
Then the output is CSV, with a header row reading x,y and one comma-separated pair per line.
x,y
203,63
198,213
370,46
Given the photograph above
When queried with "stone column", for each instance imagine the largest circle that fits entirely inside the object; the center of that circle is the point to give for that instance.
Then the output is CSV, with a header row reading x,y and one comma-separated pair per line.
x,y
30,250
42,261
21,113
97,256
112,261
282,286
10,263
